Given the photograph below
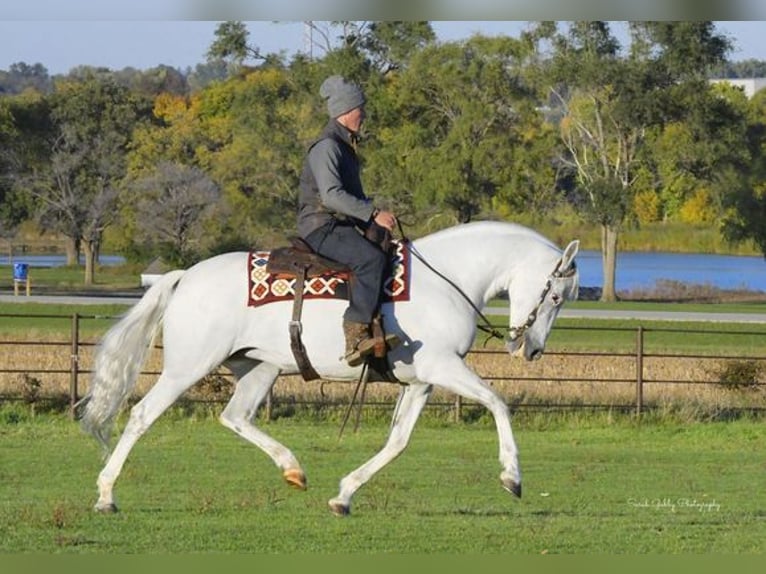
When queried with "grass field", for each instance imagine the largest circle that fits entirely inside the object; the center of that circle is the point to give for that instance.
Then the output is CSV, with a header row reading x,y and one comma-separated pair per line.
x,y
591,485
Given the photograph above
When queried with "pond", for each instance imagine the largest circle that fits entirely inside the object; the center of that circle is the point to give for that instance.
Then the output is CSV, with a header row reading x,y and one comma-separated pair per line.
x,y
56,260
642,270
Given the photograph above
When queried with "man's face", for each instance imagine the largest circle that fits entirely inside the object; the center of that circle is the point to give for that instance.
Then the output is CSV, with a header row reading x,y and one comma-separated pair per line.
x,y
353,119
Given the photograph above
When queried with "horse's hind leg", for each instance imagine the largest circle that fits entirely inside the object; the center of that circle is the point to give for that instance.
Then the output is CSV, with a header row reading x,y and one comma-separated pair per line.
x,y
411,402
163,394
254,382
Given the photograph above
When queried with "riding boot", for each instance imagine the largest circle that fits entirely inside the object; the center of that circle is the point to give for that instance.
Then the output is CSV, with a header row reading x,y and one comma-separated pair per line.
x,y
359,342
384,342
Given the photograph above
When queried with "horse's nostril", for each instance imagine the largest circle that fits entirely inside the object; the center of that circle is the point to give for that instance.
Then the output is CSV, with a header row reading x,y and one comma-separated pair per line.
x,y
535,355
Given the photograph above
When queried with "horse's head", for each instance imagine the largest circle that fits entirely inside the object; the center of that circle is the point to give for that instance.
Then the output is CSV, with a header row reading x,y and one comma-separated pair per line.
x,y
536,299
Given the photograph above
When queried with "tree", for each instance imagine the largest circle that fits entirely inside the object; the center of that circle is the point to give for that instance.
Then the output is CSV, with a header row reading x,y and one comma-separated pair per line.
x,y
205,74
172,203
9,217
93,120
746,201
231,44
154,81
391,44
22,77
609,101
24,134
453,128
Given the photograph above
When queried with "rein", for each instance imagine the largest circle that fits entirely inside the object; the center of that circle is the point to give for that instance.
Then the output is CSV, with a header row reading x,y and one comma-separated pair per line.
x,y
514,333
487,327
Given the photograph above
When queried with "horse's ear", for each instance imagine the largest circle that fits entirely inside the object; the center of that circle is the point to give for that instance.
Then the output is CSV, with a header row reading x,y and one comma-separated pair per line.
x,y
569,254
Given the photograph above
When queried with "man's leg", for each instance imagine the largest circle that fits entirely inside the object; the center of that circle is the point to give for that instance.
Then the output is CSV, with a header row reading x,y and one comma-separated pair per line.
x,y
346,245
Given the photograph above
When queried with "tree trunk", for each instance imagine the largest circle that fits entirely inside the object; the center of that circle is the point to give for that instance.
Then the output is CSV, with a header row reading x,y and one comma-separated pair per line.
x,y
72,251
90,249
609,261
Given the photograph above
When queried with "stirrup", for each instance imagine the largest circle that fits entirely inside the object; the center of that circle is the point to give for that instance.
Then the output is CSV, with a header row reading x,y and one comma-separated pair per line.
x,y
372,346
363,349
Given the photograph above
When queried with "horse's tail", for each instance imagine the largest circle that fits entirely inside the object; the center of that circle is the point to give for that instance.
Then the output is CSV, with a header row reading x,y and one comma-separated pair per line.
x,y
121,354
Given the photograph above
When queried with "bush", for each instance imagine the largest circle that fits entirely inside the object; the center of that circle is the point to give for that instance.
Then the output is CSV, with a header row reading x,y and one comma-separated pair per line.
x,y
740,374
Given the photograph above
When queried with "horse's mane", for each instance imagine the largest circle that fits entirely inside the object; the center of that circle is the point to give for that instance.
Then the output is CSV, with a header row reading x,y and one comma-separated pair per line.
x,y
499,227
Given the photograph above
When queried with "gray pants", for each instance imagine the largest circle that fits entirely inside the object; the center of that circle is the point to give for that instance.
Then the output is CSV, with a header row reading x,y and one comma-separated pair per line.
x,y
341,242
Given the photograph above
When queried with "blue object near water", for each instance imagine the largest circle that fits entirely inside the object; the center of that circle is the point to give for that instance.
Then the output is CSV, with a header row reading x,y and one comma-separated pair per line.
x,y
20,271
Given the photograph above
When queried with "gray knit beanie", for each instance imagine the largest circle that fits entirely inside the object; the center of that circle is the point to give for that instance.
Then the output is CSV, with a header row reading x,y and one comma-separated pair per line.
x,y
341,96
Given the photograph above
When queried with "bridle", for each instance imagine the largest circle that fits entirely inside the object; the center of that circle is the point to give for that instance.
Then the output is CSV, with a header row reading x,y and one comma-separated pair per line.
x,y
513,333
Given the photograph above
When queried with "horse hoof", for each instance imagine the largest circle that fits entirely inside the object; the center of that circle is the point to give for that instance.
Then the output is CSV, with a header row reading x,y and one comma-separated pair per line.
x,y
339,508
513,487
109,508
295,478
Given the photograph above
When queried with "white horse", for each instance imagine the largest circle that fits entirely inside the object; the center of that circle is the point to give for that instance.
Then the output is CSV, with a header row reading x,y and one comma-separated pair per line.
x,y
205,323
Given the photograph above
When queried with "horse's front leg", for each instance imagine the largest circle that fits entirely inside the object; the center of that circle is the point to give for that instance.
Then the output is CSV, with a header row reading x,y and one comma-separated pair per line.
x,y
453,374
408,408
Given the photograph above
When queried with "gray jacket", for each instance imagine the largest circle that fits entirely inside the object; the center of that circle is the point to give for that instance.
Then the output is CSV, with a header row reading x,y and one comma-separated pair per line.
x,y
330,185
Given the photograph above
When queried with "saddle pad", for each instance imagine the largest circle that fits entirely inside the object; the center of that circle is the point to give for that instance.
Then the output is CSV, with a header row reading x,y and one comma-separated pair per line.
x,y
264,287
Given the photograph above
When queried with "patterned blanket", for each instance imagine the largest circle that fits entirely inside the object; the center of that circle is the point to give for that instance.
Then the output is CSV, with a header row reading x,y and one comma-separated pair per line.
x,y
264,287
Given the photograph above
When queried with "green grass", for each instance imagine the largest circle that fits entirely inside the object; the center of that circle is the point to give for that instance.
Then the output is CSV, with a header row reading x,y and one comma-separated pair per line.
x,y
191,486
107,278
55,319
758,307
620,336
755,307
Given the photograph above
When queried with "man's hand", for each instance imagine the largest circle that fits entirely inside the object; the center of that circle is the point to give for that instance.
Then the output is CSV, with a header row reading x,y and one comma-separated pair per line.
x,y
385,219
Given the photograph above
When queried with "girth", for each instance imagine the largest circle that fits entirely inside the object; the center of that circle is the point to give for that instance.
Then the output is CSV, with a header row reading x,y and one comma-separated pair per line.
x,y
301,262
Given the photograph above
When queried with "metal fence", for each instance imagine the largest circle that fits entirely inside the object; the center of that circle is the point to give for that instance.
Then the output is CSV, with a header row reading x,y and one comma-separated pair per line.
x,y
34,368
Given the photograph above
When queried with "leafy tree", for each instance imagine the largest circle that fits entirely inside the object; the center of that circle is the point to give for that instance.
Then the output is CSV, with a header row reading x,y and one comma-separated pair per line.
x,y
231,44
453,129
172,203
610,101
24,135
206,73
686,156
9,219
266,123
21,77
746,201
391,44
93,120
154,81
750,68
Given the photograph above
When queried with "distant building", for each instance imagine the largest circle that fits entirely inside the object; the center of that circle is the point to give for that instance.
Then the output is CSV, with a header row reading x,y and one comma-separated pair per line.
x,y
748,85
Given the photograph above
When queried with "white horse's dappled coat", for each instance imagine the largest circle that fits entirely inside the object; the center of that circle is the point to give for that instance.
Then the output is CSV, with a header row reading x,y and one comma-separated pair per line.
x,y
206,322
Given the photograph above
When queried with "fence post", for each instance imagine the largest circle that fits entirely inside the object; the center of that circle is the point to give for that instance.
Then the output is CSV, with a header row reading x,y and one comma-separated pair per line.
x,y
267,409
458,407
74,358
639,370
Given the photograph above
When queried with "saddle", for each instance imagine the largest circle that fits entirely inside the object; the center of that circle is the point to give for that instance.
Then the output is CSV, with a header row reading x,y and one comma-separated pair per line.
x,y
300,261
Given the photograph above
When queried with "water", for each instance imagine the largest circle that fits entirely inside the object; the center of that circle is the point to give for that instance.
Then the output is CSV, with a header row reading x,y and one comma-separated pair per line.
x,y
56,260
643,270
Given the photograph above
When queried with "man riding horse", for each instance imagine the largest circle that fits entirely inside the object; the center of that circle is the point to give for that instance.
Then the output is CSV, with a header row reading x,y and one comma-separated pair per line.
x,y
334,213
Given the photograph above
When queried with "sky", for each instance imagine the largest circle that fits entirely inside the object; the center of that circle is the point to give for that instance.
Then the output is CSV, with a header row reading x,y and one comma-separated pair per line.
x,y
62,44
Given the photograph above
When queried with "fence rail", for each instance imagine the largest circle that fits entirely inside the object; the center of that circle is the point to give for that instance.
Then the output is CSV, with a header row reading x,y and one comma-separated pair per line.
x,y
68,364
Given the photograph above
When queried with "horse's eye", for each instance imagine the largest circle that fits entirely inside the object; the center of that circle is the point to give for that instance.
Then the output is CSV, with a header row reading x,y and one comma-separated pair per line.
x,y
556,298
